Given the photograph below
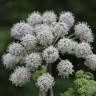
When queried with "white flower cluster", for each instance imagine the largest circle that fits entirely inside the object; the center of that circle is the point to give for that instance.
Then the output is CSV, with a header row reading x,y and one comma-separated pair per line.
x,y
65,68
66,45
39,42
82,50
34,18
33,61
84,32
50,54
29,41
49,17
20,76
21,29
45,81
16,49
44,35
91,61
60,29
10,60
67,18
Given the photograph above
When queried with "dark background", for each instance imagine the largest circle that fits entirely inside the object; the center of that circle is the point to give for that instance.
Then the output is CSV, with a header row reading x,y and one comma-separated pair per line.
x,y
12,11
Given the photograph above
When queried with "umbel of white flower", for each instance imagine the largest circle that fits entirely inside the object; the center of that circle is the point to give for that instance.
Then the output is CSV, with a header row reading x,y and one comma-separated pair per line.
x,y
91,62
45,81
10,60
83,31
16,49
20,29
20,76
29,41
60,29
45,36
41,41
83,49
49,17
65,68
67,18
66,45
34,18
50,54
33,61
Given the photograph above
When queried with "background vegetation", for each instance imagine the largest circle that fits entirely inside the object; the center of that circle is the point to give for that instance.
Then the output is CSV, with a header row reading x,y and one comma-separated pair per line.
x,y
12,11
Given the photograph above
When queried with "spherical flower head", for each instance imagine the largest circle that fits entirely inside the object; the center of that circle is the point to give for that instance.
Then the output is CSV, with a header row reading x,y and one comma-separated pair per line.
x,y
20,76
50,54
45,37
60,29
34,18
33,61
91,62
82,50
49,17
45,82
83,32
66,45
20,29
16,49
29,41
65,68
10,61
67,18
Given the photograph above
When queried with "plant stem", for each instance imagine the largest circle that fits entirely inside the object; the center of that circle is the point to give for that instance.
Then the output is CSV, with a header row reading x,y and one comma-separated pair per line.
x,y
45,70
51,92
56,40
40,93
71,35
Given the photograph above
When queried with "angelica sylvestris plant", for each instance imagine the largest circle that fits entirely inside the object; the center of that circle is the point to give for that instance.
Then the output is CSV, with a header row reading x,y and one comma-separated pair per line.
x,y
40,41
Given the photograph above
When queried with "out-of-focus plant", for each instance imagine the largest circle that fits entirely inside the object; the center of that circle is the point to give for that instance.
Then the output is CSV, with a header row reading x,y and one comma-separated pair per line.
x,y
40,41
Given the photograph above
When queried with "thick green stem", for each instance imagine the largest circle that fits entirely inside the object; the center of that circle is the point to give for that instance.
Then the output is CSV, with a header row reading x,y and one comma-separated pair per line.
x,y
51,92
42,93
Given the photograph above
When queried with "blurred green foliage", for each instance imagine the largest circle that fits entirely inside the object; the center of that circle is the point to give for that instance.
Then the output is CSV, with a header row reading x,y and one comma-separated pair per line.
x,y
12,11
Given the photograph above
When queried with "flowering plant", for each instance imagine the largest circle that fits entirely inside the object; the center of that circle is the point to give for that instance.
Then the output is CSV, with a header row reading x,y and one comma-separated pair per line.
x,y
40,42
